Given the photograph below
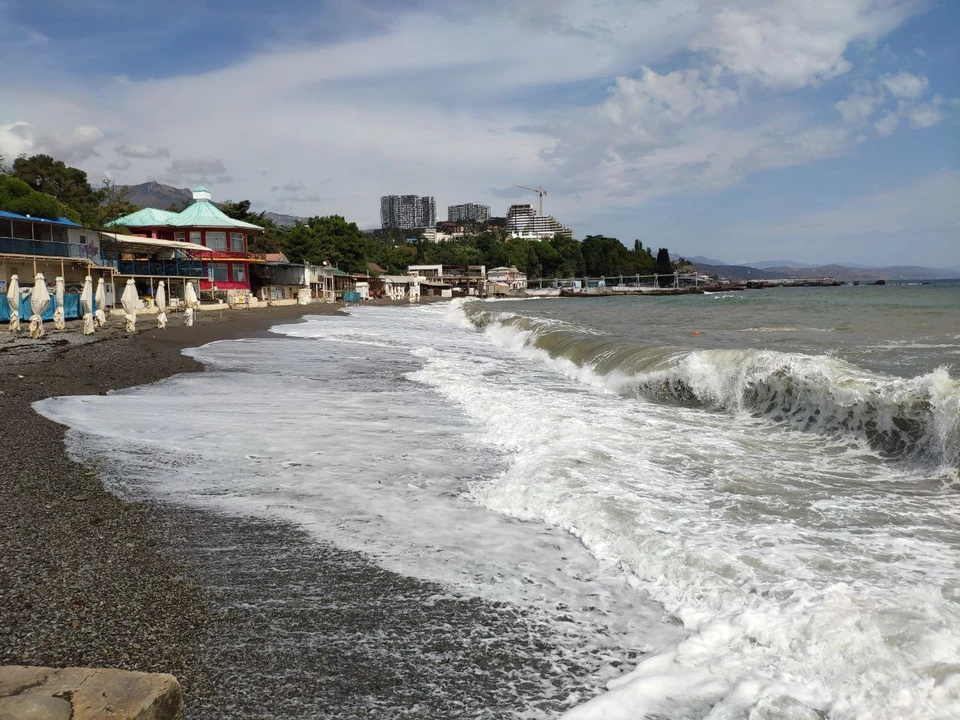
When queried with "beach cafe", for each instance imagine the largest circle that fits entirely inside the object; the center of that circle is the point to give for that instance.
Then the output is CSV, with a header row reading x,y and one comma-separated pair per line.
x,y
54,248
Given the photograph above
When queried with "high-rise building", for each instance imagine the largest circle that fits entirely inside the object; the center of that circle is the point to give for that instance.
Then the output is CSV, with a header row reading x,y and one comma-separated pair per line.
x,y
408,211
471,212
523,222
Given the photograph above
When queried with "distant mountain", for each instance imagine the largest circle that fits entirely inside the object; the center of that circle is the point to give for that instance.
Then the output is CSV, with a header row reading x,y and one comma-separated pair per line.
x,y
156,195
284,220
840,272
701,259
764,264
738,272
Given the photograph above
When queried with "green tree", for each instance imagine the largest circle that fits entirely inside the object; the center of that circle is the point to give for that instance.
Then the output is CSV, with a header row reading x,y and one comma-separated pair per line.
x,y
329,238
18,197
68,185
664,267
270,240
113,204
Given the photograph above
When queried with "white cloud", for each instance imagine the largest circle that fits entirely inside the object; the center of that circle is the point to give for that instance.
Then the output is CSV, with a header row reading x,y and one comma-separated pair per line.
x,y
16,138
887,124
790,44
139,150
859,106
924,116
905,85
197,170
388,112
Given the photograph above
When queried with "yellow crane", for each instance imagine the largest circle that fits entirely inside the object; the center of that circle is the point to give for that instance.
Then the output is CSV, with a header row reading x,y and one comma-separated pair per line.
x,y
538,190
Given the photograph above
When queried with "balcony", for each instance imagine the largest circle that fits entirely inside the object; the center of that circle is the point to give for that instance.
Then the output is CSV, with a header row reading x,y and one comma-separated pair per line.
x,y
161,268
46,248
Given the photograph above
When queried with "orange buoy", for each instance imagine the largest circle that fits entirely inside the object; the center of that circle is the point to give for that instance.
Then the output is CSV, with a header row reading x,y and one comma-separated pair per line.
x,y
695,332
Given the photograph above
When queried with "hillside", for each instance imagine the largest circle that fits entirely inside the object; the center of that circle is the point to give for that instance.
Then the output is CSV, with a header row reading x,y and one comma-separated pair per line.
x,y
158,195
840,272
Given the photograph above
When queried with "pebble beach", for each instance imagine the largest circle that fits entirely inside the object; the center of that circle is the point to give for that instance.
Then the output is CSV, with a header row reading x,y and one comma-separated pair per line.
x,y
91,579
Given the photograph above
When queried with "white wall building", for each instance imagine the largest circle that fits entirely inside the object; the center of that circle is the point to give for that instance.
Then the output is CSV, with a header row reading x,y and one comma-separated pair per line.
x,y
471,212
515,279
408,211
523,222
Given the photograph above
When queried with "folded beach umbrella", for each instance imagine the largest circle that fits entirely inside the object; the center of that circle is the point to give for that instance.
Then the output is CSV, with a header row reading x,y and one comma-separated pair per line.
x,y
190,299
86,305
39,302
58,320
129,301
161,300
13,302
100,316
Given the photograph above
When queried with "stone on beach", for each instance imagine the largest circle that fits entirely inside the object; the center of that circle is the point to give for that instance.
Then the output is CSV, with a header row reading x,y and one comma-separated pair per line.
x,y
42,693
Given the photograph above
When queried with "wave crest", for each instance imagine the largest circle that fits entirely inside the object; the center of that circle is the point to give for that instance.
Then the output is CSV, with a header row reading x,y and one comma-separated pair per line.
x,y
913,419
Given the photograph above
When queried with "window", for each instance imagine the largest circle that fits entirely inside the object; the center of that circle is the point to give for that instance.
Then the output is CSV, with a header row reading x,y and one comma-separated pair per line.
x,y
219,272
195,237
180,236
236,242
83,239
239,272
216,240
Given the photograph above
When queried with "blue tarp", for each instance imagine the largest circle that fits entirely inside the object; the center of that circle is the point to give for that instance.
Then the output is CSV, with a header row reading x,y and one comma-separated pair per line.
x,y
71,307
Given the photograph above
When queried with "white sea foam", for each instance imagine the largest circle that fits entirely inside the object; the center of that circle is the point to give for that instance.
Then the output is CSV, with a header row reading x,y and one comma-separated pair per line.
x,y
811,576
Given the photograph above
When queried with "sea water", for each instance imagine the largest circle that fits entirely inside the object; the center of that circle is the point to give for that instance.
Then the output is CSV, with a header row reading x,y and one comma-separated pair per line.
x,y
759,520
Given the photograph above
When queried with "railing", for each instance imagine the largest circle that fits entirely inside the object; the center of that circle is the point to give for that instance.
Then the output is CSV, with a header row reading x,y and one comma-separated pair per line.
x,y
47,248
162,268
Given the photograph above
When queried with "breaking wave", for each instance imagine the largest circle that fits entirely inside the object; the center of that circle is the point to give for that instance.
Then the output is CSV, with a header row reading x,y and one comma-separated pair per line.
x,y
904,419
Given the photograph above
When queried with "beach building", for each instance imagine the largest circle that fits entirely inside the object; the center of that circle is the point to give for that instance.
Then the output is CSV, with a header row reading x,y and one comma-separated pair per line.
x,y
221,243
55,248
458,279
278,279
524,222
512,278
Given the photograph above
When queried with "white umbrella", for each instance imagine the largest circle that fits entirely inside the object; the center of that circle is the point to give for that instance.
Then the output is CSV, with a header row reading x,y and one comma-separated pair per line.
x,y
129,300
58,322
13,302
39,301
86,305
100,316
161,300
190,299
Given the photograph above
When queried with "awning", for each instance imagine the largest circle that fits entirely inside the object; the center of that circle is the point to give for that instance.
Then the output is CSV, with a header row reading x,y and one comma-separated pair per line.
x,y
134,244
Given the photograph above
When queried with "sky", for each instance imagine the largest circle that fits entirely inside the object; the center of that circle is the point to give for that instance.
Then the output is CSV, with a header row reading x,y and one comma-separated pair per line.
x,y
820,131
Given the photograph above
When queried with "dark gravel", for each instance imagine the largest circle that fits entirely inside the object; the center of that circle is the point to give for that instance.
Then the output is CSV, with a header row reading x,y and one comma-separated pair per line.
x,y
87,578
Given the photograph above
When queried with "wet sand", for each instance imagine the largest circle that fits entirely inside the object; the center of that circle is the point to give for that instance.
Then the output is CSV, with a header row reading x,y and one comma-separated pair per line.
x,y
87,578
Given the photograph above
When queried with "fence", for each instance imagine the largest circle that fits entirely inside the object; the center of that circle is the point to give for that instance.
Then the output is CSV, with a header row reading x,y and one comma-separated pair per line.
x,y
618,283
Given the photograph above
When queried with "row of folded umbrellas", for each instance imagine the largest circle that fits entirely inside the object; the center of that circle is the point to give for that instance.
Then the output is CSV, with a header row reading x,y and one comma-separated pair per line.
x,y
40,301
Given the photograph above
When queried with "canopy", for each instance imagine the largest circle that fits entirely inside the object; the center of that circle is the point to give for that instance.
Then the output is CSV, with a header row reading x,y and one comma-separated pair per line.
x,y
129,300
100,316
58,320
86,305
13,302
190,299
161,300
144,245
39,301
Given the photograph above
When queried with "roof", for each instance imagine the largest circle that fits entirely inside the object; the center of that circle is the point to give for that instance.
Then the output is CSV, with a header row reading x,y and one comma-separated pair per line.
x,y
148,217
48,221
132,243
203,213
277,258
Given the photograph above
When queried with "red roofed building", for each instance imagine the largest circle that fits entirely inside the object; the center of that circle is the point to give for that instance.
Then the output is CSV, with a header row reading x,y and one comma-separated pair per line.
x,y
226,267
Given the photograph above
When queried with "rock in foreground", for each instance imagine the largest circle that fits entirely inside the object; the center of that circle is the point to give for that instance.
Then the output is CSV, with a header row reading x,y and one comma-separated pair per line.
x,y
42,693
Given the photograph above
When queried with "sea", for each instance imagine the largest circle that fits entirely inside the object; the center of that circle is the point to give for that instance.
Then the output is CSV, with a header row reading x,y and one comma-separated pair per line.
x,y
730,505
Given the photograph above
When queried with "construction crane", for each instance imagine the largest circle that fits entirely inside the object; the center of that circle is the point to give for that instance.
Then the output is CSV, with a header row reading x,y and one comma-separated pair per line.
x,y
539,191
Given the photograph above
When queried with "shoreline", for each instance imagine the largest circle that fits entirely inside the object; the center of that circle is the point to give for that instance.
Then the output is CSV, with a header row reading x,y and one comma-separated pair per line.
x,y
88,578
